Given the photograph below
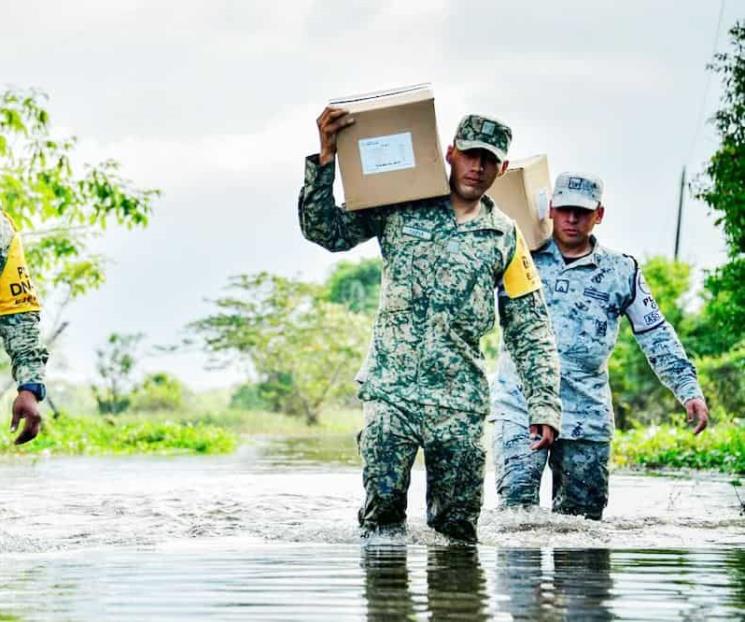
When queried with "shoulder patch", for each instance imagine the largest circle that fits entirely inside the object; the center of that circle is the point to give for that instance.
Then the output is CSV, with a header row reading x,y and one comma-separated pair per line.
x,y
643,312
521,276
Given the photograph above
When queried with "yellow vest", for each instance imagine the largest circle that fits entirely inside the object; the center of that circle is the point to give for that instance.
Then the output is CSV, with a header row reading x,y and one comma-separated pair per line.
x,y
17,293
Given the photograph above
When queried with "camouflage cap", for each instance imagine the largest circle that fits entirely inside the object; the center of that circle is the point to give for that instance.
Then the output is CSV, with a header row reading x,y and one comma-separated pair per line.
x,y
577,190
480,132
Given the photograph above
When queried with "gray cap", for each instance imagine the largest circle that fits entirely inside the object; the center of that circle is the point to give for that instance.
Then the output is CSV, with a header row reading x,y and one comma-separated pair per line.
x,y
577,190
480,132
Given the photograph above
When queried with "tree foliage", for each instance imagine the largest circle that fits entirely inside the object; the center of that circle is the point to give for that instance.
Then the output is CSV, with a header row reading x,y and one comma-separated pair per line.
x,y
724,192
304,349
115,363
158,391
59,207
356,284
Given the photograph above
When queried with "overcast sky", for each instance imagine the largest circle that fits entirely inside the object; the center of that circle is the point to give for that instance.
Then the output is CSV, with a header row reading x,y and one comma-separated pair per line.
x,y
214,102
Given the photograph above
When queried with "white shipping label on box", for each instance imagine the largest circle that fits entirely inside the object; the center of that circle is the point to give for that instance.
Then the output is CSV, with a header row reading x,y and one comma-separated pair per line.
x,y
382,154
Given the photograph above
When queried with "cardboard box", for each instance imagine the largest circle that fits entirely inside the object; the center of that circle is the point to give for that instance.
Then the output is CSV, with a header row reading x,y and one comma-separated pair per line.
x,y
392,152
524,194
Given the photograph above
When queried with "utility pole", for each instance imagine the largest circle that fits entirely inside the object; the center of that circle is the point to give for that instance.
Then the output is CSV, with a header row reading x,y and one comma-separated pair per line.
x,y
680,211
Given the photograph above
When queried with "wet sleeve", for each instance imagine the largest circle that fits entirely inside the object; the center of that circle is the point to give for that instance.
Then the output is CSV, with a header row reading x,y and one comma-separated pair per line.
x,y
322,222
20,331
659,342
529,339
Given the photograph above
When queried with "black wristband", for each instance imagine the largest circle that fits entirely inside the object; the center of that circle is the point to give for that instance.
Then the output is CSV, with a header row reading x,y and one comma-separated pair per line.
x,y
37,388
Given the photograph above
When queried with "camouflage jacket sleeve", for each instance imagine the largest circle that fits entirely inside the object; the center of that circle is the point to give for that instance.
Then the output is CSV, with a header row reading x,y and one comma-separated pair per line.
x,y
20,331
28,357
529,339
660,343
322,222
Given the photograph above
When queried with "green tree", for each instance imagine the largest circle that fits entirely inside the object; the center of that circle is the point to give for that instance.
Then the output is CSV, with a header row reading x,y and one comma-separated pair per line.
x,y
59,208
115,364
722,378
356,284
158,391
303,348
723,189
249,397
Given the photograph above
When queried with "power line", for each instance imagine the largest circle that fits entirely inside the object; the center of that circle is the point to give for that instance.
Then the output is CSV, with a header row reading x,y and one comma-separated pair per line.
x,y
696,134
705,97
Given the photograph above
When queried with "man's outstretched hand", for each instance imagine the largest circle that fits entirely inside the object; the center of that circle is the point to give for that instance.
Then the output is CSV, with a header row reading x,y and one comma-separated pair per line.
x,y
543,435
698,412
26,407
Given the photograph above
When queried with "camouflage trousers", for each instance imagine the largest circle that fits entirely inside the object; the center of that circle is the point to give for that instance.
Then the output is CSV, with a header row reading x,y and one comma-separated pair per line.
x,y
454,459
579,469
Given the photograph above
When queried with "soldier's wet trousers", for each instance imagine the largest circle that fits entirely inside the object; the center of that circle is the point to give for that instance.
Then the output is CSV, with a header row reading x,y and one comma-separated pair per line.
x,y
454,460
579,469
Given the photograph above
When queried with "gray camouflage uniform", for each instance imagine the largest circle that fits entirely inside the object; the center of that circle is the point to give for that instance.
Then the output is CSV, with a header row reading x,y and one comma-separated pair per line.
x,y
423,382
20,331
586,300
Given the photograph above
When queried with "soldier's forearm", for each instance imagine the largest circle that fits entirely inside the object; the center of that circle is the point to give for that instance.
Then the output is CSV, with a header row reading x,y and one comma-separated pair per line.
x,y
669,362
321,221
529,338
22,342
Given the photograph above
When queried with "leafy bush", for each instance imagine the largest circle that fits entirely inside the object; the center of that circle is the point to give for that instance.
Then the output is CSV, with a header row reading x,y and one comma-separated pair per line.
x,y
116,435
720,448
159,391
723,381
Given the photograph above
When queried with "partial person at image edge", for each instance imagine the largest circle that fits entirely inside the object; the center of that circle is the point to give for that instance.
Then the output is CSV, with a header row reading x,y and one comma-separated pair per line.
x,y
19,328
423,382
588,289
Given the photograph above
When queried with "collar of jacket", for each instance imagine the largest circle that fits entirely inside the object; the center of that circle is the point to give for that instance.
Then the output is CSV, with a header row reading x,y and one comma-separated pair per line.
x,y
595,258
489,218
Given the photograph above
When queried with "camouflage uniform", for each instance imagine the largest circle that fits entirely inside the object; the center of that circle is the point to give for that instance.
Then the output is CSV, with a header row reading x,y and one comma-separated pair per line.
x,y
20,331
423,380
586,300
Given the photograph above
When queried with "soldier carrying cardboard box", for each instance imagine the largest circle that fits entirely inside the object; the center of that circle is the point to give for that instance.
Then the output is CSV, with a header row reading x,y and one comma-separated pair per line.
x,y
423,382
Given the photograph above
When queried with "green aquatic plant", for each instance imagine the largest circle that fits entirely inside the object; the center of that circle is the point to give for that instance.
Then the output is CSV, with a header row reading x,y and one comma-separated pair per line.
x,y
720,448
90,435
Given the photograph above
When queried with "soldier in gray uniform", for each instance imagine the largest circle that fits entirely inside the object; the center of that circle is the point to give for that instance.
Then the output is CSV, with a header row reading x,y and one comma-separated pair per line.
x,y
19,329
423,382
588,290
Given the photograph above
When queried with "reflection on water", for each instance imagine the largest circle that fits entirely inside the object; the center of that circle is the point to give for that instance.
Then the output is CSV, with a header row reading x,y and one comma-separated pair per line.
x,y
456,585
575,582
238,580
387,590
270,533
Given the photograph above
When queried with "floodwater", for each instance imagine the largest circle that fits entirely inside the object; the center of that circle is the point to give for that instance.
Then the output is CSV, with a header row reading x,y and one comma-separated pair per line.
x,y
269,534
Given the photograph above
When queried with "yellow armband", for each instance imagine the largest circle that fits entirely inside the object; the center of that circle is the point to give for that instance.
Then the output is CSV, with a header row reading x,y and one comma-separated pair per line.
x,y
521,277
